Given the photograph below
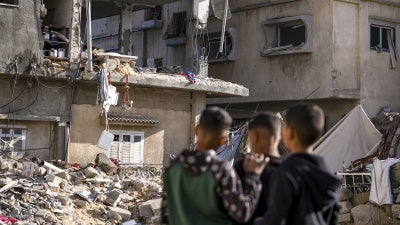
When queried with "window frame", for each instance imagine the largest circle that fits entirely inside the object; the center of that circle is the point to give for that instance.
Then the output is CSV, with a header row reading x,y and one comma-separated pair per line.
x,y
381,27
14,5
12,134
132,135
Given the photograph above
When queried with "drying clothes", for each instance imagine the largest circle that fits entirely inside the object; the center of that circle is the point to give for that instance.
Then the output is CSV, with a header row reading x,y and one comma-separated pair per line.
x,y
200,188
112,98
381,192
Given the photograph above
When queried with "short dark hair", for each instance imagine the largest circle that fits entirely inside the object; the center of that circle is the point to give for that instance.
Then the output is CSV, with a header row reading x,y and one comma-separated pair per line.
x,y
307,120
267,120
215,121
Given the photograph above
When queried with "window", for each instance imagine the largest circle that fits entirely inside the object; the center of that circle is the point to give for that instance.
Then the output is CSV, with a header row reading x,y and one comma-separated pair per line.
x,y
127,147
381,36
288,35
154,13
209,44
177,26
9,2
292,35
17,137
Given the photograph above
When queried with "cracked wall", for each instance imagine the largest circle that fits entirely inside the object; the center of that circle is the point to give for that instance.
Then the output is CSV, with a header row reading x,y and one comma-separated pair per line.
x,y
21,37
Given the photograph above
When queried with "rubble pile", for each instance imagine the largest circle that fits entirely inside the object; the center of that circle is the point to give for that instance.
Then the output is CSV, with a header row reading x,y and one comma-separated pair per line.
x,y
58,193
355,209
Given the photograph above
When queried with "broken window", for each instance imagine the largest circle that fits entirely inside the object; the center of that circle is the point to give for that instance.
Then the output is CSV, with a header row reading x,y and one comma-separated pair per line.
x,y
208,45
127,147
292,35
288,35
13,139
9,2
177,26
154,13
381,36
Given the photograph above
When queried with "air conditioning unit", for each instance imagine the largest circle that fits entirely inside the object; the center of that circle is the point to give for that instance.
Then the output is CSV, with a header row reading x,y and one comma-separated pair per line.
x,y
210,43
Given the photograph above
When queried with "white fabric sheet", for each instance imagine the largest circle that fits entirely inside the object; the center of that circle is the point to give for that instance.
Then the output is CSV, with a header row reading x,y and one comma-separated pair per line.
x,y
381,192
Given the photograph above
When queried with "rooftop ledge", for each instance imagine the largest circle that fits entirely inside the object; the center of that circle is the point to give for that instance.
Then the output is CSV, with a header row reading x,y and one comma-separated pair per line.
x,y
211,86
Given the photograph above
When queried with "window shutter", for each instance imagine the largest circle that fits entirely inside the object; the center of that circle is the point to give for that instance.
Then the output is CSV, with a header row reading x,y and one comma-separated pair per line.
x,y
136,150
125,152
114,150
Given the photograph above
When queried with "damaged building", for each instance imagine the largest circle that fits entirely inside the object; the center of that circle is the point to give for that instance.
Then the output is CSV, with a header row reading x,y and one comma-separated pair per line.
x,y
337,54
50,80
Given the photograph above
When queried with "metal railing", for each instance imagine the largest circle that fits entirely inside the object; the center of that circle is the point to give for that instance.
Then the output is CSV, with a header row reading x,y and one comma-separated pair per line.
x,y
356,182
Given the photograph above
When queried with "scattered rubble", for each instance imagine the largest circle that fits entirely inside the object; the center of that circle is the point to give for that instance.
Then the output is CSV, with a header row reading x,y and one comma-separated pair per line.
x,y
58,193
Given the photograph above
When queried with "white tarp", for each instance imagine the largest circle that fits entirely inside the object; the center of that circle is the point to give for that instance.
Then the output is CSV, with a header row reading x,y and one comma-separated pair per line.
x,y
351,138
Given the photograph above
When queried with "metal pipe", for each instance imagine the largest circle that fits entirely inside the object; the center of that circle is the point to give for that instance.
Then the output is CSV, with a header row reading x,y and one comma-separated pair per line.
x,y
89,33
51,166
221,46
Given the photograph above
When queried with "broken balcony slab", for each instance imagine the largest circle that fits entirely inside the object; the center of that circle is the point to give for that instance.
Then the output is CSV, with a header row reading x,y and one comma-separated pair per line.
x,y
211,86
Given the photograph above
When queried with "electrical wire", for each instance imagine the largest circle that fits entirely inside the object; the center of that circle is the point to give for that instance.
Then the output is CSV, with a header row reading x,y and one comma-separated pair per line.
x,y
42,84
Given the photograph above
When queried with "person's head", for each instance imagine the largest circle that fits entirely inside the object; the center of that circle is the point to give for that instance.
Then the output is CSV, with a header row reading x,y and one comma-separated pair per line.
x,y
264,133
213,127
303,125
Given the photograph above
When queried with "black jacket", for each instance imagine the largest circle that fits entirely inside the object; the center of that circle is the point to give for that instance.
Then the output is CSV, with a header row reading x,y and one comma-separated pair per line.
x,y
302,192
271,168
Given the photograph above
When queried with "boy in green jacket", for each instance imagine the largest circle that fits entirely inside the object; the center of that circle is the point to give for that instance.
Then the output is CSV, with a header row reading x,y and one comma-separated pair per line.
x,y
202,189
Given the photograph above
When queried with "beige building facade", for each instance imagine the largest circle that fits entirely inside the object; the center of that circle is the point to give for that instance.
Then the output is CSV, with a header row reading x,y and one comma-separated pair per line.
x,y
334,53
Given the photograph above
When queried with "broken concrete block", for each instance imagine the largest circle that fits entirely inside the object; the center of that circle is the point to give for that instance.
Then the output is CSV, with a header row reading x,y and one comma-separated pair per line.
x,y
125,214
50,178
360,199
145,210
41,213
345,194
5,181
368,215
63,175
396,208
64,200
5,165
90,172
105,163
113,197
345,217
130,222
81,203
40,171
156,220
137,183
345,207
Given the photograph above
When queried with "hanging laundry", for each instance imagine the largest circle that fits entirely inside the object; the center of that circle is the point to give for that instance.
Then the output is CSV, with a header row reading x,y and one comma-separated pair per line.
x,y
102,87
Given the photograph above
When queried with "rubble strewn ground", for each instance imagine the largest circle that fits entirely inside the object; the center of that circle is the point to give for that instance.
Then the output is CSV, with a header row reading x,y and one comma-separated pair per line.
x,y
78,195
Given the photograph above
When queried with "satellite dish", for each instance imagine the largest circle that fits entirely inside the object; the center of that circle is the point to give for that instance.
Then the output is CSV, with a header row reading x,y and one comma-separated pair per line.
x,y
219,8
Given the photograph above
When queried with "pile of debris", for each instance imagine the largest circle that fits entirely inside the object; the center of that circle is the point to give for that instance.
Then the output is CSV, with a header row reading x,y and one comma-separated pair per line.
x,y
34,192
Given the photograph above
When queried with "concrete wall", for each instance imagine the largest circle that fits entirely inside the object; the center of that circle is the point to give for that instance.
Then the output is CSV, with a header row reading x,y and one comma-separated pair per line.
x,y
149,44
39,137
20,36
171,108
380,86
285,77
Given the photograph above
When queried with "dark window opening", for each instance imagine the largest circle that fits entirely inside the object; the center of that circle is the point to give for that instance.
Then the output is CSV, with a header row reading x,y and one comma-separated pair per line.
x,y
126,138
158,63
177,26
10,2
137,139
211,43
154,13
379,37
116,137
292,35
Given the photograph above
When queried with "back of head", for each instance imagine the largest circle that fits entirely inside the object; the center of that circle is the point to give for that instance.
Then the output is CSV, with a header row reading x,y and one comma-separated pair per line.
x,y
266,120
307,120
215,121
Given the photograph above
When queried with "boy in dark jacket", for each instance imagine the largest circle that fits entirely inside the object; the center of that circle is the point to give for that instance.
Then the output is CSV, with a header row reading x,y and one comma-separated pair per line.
x,y
302,191
202,189
264,136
